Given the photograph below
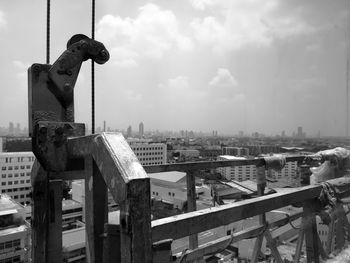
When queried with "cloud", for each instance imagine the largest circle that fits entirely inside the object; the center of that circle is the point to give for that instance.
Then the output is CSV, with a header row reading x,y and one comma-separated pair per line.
x,y
224,85
21,71
3,22
201,4
20,65
150,35
246,22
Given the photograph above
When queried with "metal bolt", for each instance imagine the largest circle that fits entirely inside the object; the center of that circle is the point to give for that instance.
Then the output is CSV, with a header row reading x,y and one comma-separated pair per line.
x,y
67,87
103,54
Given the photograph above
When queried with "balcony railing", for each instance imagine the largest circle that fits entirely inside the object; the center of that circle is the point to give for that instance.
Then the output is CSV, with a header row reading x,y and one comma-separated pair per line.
x,y
106,161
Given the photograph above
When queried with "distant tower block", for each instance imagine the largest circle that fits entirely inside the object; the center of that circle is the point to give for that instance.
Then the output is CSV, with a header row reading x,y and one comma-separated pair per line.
x,y
141,129
129,132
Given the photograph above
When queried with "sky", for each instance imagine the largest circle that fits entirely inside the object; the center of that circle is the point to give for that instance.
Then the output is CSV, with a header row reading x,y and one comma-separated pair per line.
x,y
202,65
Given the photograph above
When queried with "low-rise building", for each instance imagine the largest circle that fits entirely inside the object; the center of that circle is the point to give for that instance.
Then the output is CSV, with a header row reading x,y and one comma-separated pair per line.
x,y
171,187
73,245
14,232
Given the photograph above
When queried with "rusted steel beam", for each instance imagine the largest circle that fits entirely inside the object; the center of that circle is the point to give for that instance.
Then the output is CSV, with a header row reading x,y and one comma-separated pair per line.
x,y
191,204
40,218
300,241
130,187
81,147
54,241
135,223
117,162
162,251
311,235
95,211
69,175
220,243
194,222
111,251
193,166
49,143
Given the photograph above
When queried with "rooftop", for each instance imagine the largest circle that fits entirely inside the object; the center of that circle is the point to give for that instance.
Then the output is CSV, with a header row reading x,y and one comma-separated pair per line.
x,y
16,154
8,206
173,176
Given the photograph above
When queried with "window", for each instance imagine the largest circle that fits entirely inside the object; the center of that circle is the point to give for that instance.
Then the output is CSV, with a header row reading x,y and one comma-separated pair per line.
x,y
3,168
28,166
21,196
10,183
16,182
16,175
23,167
10,168
15,197
16,243
22,174
3,183
3,176
9,175
16,167
8,244
22,181
28,181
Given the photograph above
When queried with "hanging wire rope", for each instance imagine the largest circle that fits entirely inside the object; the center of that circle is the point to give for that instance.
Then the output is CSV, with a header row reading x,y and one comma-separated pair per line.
x,y
48,33
93,72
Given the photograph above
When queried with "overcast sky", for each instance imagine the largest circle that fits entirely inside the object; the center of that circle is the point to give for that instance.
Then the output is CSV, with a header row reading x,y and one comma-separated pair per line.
x,y
251,65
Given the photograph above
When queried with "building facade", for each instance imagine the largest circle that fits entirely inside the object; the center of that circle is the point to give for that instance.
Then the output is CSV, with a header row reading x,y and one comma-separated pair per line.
x,y
248,172
16,175
236,151
141,129
238,173
147,152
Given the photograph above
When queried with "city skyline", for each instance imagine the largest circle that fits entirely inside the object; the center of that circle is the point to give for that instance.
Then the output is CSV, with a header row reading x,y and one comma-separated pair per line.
x,y
263,66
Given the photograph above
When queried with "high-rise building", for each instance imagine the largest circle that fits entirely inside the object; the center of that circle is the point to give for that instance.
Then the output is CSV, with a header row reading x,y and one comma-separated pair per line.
x,y
283,134
300,133
11,128
15,170
141,129
129,132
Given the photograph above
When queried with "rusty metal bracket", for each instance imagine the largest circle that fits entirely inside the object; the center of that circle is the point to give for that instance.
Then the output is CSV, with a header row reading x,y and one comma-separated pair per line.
x,y
51,87
50,143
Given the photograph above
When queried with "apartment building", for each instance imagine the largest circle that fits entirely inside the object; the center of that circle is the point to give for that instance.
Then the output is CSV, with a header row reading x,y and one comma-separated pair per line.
x,y
238,173
15,170
147,152
248,172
